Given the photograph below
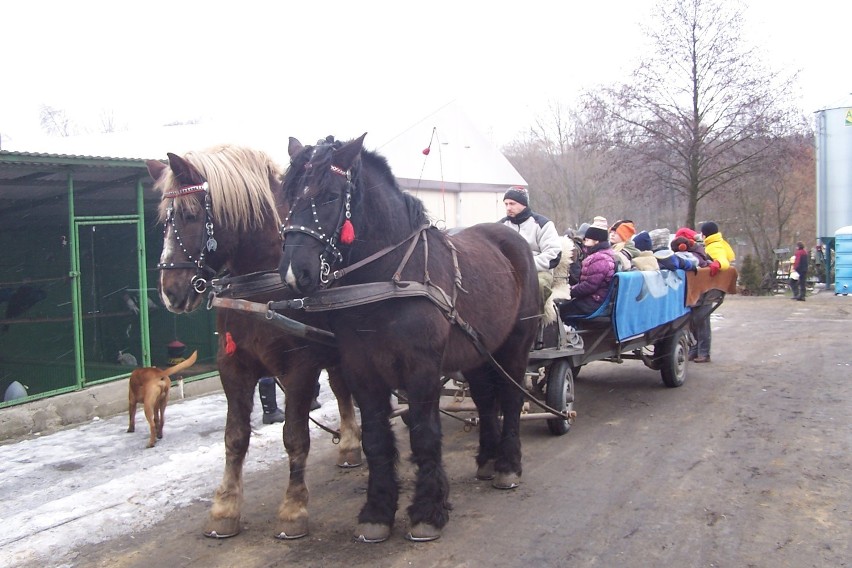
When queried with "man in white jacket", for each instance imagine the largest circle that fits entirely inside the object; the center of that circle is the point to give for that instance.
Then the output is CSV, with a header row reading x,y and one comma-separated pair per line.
x,y
538,231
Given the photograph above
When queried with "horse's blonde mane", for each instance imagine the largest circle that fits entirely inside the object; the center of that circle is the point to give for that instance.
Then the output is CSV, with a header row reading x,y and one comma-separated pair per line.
x,y
239,180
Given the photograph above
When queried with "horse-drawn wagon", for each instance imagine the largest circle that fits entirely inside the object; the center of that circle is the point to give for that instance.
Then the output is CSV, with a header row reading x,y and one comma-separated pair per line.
x,y
368,271
646,316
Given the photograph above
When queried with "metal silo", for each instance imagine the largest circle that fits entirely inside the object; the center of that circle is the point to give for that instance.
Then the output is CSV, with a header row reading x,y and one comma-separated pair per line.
x,y
834,170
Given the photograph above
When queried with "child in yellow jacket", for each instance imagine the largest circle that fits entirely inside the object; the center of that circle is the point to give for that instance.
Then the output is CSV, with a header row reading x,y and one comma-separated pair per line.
x,y
717,248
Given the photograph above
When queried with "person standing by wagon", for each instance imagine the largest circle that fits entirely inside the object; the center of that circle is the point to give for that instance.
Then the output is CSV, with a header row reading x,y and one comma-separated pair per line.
x,y
721,256
800,265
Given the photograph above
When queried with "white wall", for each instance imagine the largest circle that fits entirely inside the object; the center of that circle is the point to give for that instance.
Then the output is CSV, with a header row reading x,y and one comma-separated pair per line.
x,y
477,207
462,209
442,206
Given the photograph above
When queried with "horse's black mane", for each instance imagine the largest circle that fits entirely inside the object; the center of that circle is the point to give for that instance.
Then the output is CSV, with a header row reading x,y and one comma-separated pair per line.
x,y
416,210
320,156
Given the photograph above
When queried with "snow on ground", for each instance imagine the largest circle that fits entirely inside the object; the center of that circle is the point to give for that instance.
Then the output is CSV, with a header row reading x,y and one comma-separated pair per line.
x,y
80,486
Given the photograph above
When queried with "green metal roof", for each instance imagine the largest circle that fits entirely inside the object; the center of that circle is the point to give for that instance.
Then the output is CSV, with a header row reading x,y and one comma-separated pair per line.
x,y
28,178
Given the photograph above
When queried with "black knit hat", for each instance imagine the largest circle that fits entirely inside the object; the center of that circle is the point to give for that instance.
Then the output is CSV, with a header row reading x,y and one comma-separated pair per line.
x,y
597,234
709,228
598,231
519,194
642,241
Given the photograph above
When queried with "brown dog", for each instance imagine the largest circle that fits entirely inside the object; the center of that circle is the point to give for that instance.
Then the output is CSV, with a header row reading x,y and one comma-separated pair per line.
x,y
150,386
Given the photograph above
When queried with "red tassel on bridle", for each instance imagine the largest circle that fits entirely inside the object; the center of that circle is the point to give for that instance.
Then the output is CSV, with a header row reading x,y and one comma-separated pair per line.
x,y
230,345
347,233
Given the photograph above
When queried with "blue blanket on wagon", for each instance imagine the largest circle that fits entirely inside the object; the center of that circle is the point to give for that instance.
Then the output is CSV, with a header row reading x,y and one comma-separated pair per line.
x,y
647,299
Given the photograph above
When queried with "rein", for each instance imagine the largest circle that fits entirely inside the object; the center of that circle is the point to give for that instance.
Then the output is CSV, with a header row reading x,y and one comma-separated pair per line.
x,y
208,243
353,295
247,285
361,294
342,297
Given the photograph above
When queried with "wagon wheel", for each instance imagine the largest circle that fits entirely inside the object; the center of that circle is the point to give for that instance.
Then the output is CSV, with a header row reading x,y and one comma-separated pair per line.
x,y
670,355
560,395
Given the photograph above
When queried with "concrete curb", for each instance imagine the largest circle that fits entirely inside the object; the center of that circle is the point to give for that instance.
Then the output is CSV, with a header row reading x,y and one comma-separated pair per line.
x,y
103,401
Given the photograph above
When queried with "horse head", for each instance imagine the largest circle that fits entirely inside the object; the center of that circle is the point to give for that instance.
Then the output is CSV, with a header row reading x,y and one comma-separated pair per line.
x,y
318,188
218,213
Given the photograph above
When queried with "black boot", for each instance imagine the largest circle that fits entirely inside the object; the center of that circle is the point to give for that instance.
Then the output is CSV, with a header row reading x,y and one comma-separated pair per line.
x,y
315,403
266,387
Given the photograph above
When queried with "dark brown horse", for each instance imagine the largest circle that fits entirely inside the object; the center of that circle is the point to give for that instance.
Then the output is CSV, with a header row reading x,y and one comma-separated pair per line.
x,y
219,214
348,223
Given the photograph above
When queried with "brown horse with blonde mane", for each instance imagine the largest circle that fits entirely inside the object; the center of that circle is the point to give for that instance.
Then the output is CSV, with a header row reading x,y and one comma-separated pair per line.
x,y
219,215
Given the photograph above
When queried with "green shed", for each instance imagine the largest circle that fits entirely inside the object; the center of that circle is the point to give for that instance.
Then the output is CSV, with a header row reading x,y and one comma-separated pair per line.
x,y
78,280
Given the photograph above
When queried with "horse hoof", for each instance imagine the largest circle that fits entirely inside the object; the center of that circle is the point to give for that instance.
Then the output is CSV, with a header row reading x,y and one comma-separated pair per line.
x,y
485,472
422,532
349,459
222,528
372,532
291,530
506,481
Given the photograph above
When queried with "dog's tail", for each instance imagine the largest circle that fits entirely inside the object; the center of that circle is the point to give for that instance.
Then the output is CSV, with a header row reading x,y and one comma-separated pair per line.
x,y
185,364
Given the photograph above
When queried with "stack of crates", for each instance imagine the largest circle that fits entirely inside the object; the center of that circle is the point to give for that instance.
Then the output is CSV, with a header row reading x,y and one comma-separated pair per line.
x,y
843,260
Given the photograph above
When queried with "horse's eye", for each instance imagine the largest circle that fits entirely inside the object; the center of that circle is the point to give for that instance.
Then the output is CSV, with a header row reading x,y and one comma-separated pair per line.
x,y
188,216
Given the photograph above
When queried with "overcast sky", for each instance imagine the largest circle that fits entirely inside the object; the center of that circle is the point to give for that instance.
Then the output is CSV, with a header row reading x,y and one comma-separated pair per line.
x,y
357,64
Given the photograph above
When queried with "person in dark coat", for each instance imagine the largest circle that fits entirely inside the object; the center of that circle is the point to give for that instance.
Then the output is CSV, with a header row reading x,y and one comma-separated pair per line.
x,y
721,255
800,265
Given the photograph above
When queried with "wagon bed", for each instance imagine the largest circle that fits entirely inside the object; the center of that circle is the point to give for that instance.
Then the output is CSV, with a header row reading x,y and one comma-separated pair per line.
x,y
646,316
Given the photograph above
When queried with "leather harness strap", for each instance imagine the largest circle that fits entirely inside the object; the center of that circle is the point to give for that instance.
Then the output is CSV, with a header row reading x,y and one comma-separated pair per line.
x,y
247,285
355,295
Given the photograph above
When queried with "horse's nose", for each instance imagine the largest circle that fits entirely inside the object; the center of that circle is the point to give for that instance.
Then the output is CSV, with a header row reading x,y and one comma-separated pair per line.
x,y
285,269
299,281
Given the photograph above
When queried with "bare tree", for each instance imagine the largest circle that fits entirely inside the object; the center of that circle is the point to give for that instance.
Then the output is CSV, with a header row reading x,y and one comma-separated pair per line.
x,y
107,122
568,177
54,121
775,206
700,112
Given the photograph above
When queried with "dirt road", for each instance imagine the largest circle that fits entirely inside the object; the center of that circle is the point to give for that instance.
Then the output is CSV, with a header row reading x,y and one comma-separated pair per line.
x,y
747,464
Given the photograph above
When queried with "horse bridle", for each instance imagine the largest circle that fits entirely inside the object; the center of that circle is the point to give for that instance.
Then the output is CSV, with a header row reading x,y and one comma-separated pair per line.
x,y
203,273
331,254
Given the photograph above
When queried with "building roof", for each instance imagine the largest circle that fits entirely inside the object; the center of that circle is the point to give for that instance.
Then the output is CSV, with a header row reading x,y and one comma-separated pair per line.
x,y
30,179
461,157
